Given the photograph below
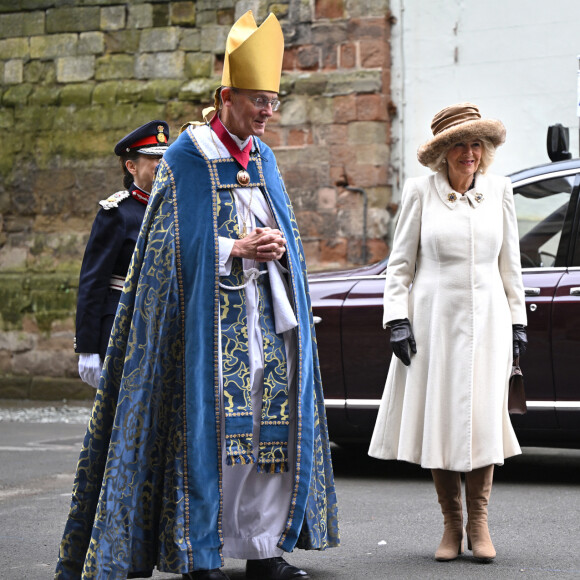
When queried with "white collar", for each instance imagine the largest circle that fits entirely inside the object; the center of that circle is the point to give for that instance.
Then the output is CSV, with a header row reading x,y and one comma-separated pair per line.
x,y
241,144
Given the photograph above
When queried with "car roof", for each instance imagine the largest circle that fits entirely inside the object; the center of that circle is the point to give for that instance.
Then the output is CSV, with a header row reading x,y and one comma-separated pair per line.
x,y
554,169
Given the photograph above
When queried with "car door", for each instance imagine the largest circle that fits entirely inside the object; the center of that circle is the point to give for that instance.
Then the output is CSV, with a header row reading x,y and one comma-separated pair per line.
x,y
545,206
566,336
367,352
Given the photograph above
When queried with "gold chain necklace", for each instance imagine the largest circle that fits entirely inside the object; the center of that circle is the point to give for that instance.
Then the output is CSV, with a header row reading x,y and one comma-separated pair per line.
x,y
243,179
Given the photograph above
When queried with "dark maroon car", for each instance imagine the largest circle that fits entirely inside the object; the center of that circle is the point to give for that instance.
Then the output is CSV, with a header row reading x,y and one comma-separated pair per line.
x,y
354,348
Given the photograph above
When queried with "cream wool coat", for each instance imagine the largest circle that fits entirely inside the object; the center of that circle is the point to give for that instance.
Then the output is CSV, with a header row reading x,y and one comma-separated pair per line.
x,y
455,273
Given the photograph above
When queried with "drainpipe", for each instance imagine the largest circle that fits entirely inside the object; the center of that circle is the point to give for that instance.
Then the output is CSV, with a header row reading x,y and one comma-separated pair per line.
x,y
364,232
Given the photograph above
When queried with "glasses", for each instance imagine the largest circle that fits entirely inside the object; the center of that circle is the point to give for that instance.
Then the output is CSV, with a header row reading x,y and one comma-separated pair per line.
x,y
262,102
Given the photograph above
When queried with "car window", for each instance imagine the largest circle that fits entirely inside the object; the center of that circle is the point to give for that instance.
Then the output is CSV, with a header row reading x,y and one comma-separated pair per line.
x,y
541,209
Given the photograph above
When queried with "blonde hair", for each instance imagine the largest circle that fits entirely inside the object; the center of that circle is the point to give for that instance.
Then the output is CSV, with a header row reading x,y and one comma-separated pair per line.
x,y
487,157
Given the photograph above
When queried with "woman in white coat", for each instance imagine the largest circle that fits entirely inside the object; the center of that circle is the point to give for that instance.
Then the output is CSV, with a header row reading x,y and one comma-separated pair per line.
x,y
454,298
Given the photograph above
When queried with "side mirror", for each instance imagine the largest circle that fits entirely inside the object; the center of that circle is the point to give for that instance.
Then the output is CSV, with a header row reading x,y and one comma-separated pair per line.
x,y
558,142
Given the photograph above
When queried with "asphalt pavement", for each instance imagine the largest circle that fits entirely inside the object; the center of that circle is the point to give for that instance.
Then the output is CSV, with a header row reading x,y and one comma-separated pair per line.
x,y
389,516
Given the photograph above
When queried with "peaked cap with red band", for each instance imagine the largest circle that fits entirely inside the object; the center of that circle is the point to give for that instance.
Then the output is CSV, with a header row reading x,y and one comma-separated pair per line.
x,y
149,139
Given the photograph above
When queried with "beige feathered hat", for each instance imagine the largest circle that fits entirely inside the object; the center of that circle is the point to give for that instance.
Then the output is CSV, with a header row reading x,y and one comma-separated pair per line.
x,y
458,123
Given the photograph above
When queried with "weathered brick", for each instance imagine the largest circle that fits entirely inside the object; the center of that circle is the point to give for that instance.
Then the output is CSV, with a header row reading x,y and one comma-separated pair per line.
x,y
45,96
377,250
345,108
327,198
329,9
368,28
308,58
76,94
377,221
320,111
198,90
198,64
372,54
279,10
115,66
160,65
371,108
71,69
182,13
36,71
161,91
73,389
74,19
213,39
14,48
52,46
274,136
347,55
311,250
354,82
289,59
16,96
161,14
105,93
299,137
362,175
6,118
373,153
129,91
333,252
13,72
140,16
226,16
113,17
310,83
91,43
159,39
294,111
126,41
21,24
363,132
190,40
327,135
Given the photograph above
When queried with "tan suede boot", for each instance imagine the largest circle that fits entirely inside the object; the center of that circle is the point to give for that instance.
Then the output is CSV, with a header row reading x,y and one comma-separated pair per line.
x,y
477,491
448,486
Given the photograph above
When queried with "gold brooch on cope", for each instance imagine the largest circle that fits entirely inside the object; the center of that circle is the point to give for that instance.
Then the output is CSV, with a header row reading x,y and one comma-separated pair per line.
x,y
452,197
243,178
478,197
160,135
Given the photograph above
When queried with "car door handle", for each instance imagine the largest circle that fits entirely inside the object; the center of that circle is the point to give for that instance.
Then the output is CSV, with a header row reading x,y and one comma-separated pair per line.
x,y
575,291
317,319
532,291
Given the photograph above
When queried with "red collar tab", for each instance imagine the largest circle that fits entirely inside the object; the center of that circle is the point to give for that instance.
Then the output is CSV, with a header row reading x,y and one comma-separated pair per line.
x,y
242,156
139,194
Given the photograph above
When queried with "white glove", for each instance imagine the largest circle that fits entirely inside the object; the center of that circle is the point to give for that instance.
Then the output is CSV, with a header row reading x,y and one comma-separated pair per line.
x,y
90,367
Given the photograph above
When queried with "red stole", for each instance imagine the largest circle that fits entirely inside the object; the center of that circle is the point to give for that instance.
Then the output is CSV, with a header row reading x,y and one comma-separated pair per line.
x,y
242,156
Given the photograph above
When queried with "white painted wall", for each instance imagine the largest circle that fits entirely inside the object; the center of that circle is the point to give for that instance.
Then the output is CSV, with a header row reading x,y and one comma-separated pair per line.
x,y
516,59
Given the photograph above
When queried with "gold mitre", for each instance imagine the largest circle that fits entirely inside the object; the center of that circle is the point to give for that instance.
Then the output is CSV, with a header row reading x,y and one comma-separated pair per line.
x,y
253,57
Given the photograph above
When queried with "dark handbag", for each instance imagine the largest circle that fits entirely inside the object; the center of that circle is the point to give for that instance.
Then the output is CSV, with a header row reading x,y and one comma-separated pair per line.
x,y
517,394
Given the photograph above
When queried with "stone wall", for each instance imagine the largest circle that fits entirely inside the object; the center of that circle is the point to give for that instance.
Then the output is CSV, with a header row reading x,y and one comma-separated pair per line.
x,y
77,75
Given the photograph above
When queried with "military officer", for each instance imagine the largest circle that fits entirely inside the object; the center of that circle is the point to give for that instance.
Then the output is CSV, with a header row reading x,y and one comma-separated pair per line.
x,y
111,244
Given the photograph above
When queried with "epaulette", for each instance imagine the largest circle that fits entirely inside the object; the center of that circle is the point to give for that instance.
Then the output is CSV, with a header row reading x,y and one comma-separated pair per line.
x,y
113,200
206,119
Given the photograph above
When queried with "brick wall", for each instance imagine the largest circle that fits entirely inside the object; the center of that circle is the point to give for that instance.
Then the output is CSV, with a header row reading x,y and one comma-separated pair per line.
x,y
75,78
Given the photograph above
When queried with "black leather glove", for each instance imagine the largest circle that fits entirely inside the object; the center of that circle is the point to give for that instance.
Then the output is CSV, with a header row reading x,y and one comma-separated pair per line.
x,y
520,339
401,339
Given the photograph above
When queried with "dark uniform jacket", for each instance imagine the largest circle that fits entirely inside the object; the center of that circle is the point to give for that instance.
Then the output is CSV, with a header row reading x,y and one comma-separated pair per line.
x,y
108,252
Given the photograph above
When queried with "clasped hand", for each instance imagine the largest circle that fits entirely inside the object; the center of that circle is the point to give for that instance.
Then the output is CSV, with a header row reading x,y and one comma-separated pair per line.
x,y
262,245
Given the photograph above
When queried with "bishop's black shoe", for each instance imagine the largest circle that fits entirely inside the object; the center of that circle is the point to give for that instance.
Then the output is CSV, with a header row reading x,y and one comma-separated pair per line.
x,y
214,574
273,569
